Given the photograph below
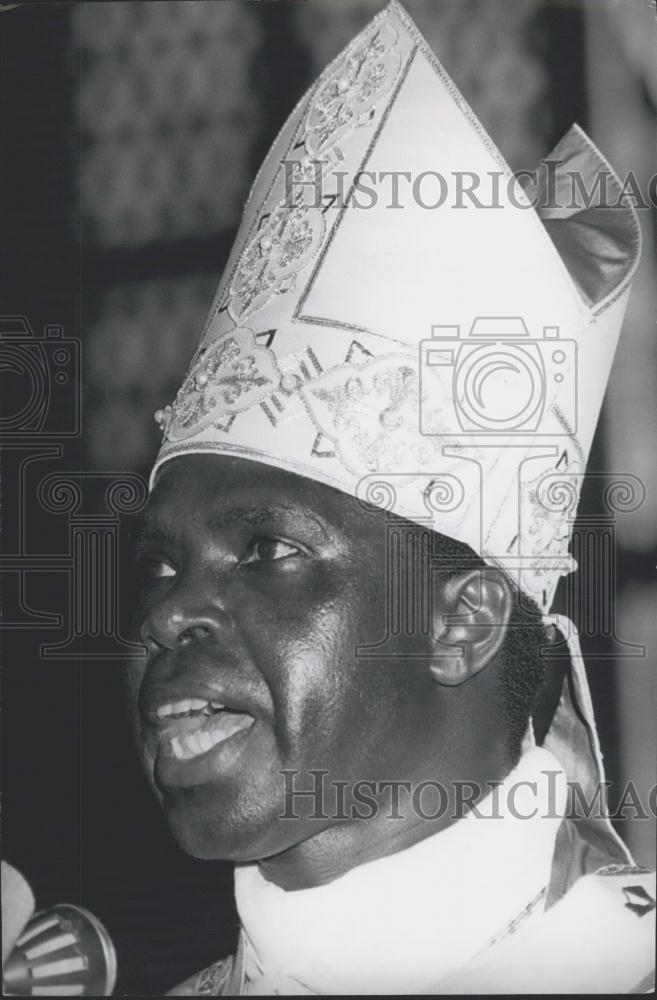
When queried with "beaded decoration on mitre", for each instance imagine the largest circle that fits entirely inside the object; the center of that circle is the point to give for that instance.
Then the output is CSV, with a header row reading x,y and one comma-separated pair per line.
x,y
313,355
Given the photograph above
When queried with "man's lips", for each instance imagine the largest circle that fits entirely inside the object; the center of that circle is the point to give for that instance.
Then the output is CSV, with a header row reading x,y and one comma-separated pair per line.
x,y
161,701
198,731
191,722
181,765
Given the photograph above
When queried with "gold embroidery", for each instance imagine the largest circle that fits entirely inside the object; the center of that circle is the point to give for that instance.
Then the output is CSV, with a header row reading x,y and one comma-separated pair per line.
x,y
230,375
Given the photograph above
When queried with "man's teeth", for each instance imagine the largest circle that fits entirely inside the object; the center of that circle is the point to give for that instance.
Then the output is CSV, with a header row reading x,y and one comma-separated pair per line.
x,y
188,745
192,744
188,705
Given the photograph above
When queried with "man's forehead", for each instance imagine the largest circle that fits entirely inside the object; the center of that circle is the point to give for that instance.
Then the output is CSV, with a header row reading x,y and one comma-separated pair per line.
x,y
224,491
226,476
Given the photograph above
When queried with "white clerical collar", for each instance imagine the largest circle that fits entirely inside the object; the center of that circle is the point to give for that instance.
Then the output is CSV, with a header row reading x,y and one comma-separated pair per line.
x,y
401,923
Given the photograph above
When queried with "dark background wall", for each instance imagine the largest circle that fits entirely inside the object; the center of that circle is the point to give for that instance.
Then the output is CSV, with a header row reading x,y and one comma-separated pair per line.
x,y
130,135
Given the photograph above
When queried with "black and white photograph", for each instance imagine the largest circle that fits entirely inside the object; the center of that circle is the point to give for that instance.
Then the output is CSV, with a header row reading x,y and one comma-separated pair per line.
x,y
328,608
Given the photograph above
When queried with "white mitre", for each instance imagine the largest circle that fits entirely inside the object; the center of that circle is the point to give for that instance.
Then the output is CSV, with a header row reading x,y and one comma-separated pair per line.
x,y
446,363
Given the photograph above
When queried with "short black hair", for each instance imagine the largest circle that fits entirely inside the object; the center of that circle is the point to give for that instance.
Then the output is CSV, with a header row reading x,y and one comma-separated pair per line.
x,y
523,665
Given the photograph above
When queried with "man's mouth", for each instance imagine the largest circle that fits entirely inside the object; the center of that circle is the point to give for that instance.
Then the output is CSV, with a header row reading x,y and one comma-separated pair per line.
x,y
193,726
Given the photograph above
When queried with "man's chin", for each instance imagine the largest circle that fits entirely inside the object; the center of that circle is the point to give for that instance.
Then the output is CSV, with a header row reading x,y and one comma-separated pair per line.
x,y
223,832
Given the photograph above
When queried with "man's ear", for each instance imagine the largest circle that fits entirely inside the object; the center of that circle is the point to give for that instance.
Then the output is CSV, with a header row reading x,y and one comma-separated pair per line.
x,y
471,615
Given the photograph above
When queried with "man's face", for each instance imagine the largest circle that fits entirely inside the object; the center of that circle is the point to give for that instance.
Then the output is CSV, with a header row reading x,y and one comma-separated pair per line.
x,y
259,587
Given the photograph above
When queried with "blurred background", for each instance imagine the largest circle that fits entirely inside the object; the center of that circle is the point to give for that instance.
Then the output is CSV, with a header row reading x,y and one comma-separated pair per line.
x,y
131,133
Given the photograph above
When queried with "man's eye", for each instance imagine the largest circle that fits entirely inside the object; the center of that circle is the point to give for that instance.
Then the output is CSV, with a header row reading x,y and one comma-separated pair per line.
x,y
269,550
158,569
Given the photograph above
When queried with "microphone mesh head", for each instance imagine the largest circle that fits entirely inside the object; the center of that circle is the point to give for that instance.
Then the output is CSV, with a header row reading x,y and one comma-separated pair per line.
x,y
64,951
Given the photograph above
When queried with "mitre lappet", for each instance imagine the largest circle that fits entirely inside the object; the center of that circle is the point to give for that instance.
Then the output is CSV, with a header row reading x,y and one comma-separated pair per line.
x,y
402,320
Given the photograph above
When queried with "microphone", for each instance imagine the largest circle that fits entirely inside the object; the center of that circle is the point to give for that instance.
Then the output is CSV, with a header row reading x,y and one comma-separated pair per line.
x,y
17,907
63,951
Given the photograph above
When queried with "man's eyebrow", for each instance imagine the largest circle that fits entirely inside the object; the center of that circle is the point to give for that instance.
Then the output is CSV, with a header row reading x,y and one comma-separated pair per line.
x,y
151,532
258,515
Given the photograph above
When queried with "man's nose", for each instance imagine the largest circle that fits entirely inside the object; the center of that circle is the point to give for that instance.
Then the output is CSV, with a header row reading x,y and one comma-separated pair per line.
x,y
187,613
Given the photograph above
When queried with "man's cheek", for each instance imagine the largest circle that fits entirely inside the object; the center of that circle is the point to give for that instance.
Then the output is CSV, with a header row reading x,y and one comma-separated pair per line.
x,y
303,625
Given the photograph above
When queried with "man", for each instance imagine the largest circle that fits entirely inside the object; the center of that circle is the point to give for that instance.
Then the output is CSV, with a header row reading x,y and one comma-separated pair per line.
x,y
358,520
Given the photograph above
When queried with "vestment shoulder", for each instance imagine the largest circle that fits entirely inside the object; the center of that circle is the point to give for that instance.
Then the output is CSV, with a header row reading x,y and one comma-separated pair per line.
x,y
212,981
598,938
